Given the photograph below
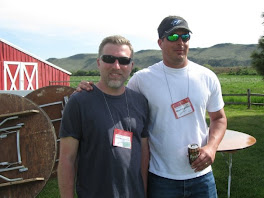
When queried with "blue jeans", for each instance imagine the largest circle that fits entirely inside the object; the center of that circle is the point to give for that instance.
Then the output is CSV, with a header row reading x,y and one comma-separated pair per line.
x,y
200,187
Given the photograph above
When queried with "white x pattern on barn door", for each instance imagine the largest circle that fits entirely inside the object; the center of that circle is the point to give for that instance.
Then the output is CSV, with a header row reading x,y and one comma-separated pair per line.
x,y
20,75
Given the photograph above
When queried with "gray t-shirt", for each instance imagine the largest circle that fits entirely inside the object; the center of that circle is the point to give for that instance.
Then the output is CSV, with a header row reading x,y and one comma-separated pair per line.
x,y
105,170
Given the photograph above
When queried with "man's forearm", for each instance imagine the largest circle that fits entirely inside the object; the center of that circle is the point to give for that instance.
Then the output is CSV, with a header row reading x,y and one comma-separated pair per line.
x,y
218,124
67,166
66,178
144,162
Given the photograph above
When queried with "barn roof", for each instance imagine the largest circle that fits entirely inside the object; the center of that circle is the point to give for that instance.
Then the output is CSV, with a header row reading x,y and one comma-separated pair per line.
x,y
34,56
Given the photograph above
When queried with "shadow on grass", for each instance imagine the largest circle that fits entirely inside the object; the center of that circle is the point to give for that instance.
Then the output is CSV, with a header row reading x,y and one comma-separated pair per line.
x,y
247,169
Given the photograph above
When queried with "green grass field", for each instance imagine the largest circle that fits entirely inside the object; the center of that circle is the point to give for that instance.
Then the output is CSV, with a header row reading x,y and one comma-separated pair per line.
x,y
231,84
247,170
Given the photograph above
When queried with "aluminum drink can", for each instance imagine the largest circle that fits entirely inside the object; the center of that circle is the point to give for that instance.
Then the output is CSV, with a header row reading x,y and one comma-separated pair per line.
x,y
194,152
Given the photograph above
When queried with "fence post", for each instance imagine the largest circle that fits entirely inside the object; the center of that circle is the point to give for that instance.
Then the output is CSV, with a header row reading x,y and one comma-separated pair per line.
x,y
249,98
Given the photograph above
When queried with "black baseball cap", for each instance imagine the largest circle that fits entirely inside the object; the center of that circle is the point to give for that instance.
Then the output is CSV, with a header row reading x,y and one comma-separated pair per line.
x,y
171,23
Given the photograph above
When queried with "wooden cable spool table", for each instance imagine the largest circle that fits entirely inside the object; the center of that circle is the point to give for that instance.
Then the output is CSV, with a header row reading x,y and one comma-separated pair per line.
x,y
28,147
52,100
232,142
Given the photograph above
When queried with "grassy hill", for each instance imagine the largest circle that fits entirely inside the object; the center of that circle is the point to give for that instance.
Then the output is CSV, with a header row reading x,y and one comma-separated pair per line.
x,y
76,62
224,55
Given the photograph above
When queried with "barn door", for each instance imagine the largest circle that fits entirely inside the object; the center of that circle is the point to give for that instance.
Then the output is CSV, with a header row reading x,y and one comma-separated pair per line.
x,y
20,75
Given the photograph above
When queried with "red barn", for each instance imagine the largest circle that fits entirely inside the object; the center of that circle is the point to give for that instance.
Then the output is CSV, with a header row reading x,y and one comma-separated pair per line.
x,y
20,70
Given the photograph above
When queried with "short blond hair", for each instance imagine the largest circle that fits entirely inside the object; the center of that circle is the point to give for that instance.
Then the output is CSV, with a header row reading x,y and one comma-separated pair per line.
x,y
116,40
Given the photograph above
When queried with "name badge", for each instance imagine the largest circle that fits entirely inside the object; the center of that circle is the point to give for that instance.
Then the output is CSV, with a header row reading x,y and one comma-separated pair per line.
x,y
122,138
182,108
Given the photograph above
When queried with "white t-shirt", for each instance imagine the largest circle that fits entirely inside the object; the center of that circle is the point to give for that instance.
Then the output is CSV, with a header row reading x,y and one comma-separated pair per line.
x,y
169,137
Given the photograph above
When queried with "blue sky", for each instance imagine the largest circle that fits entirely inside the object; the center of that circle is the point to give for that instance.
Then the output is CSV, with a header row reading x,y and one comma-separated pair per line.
x,y
62,28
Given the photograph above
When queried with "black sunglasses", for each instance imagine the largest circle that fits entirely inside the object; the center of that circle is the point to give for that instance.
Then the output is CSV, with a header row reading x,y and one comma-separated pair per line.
x,y
175,37
112,59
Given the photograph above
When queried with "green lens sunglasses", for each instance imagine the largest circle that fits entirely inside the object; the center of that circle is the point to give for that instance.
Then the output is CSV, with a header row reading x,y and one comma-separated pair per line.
x,y
175,37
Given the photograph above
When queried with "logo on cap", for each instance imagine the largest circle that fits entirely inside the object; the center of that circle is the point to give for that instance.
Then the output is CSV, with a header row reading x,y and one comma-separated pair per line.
x,y
176,22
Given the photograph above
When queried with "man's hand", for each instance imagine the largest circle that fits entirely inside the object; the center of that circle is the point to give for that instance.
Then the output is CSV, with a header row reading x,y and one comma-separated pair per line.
x,y
205,159
84,85
218,124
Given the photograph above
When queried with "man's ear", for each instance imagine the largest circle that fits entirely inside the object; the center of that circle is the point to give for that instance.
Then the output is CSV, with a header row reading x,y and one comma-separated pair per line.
x,y
160,41
132,65
98,62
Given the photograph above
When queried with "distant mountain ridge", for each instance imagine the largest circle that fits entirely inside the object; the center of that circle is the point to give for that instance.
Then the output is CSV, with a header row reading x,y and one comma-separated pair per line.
x,y
220,55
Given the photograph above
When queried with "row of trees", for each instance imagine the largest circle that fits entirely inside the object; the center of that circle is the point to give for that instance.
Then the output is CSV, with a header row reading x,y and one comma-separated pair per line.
x,y
86,73
97,73
258,55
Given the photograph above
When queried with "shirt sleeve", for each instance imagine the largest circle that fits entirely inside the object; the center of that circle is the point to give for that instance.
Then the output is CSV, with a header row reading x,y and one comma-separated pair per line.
x,y
71,120
216,101
133,83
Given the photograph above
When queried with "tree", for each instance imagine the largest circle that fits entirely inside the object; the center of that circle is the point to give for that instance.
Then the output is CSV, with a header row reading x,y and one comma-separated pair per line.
x,y
134,70
258,56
